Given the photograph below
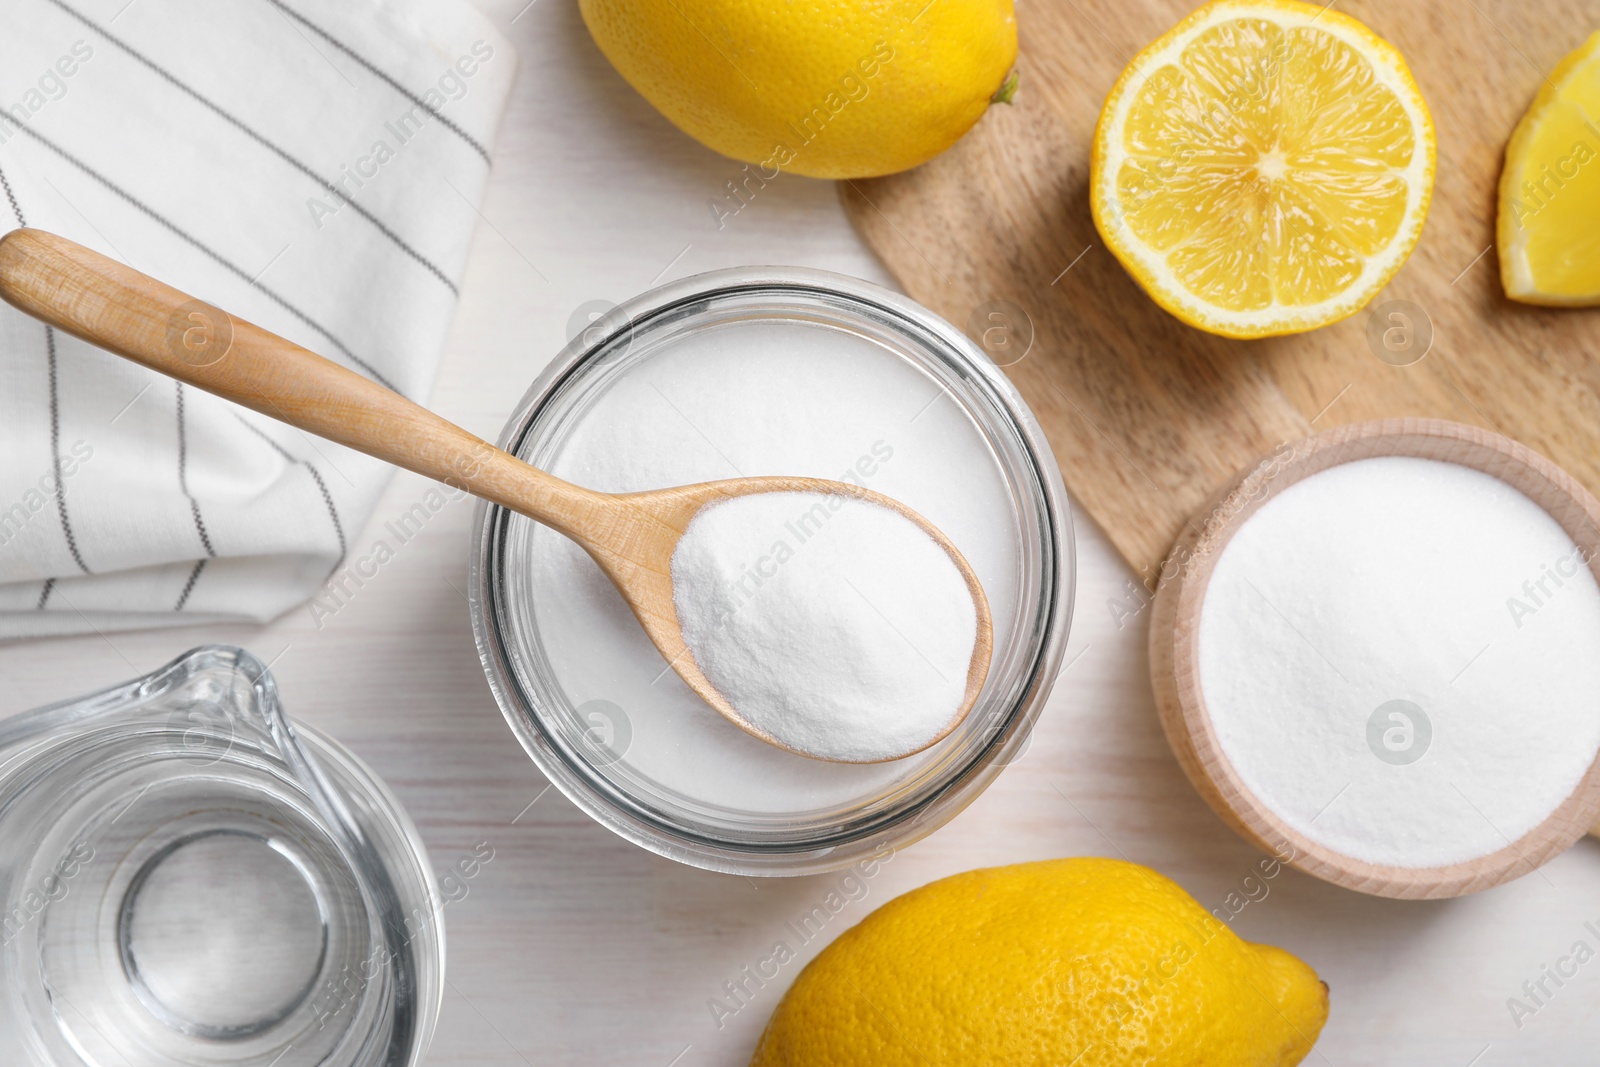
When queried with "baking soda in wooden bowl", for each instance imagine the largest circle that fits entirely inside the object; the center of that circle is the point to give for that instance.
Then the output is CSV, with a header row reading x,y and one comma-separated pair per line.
x,y
1383,652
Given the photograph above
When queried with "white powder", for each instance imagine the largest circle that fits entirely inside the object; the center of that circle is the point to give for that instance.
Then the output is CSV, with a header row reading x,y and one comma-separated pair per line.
x,y
748,399
834,624
1404,580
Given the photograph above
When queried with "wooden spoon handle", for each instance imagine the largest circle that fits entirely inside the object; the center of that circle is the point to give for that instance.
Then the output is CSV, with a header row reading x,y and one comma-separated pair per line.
x,y
119,309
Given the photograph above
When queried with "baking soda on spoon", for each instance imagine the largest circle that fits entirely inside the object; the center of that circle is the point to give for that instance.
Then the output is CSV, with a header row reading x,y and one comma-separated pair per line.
x,y
832,624
1401,657
782,398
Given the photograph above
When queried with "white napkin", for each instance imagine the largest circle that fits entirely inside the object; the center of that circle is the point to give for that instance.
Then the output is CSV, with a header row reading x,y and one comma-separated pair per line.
x,y
313,166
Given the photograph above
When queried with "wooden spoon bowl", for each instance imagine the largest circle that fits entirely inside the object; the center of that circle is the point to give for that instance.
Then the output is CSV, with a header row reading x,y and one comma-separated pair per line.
x,y
634,535
631,536
1175,663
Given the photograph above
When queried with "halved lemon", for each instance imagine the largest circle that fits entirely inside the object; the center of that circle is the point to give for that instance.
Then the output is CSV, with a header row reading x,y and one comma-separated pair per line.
x,y
1549,232
1264,168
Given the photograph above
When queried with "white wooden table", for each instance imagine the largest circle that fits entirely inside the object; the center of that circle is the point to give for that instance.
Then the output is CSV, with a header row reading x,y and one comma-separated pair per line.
x,y
573,947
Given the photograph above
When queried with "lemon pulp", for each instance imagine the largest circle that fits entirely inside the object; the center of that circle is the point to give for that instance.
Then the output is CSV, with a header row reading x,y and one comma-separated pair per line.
x,y
1550,189
1263,168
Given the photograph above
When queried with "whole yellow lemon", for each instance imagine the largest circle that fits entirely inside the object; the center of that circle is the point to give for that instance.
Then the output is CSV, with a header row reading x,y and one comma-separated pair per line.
x,y
1087,962
827,88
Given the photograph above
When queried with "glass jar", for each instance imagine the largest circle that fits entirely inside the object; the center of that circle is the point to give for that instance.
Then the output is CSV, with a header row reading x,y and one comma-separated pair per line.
x,y
813,374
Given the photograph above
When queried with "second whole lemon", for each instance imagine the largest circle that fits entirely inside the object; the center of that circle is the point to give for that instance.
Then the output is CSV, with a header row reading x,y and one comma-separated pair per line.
x,y
1088,962
827,88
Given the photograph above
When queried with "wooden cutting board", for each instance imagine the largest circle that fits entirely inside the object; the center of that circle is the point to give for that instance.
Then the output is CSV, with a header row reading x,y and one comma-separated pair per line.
x,y
1148,416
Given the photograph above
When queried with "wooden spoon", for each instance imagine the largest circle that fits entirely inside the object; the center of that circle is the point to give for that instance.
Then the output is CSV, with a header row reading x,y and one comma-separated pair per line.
x,y
631,536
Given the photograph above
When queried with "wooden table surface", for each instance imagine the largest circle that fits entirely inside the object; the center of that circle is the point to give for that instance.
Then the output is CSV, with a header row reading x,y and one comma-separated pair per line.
x,y
1155,416
573,947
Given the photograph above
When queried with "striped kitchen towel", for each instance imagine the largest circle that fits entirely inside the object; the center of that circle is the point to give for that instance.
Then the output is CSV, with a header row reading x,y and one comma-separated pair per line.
x,y
313,166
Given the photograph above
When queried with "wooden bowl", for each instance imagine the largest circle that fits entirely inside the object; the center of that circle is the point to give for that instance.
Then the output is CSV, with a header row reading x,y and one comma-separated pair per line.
x,y
1174,647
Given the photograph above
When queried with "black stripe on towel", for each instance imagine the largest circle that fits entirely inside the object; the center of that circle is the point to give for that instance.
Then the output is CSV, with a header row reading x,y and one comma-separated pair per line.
x,y
11,198
333,513
55,415
380,75
281,153
188,587
50,583
55,452
200,246
316,475
183,482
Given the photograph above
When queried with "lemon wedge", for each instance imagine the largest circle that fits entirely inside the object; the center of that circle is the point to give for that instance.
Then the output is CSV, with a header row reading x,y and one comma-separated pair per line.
x,y
1549,231
1264,168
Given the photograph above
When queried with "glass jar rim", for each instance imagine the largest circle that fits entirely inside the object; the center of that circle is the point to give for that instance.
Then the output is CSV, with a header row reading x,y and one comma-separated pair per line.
x,y
611,806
